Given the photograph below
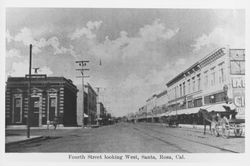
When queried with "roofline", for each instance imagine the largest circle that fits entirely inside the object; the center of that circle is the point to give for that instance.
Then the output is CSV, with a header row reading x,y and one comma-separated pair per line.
x,y
195,64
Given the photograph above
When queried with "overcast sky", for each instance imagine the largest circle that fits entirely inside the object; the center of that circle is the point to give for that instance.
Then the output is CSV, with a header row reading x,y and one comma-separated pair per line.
x,y
139,49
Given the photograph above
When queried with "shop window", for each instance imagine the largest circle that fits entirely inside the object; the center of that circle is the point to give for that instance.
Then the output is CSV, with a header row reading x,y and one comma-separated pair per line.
x,y
219,97
215,98
198,102
190,104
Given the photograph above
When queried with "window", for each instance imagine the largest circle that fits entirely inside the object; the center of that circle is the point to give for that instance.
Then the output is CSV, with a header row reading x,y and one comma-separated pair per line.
x,y
18,102
180,90
184,90
206,80
198,82
188,86
198,102
215,98
212,77
193,84
219,97
221,73
190,104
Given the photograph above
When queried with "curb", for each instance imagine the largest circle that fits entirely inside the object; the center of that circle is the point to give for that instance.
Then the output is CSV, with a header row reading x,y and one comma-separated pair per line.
x,y
26,140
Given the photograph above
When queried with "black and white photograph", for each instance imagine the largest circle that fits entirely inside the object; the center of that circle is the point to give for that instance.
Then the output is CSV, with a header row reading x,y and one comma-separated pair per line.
x,y
124,83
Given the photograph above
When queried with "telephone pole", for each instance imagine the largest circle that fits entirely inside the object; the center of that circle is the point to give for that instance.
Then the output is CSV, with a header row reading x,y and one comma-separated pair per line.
x,y
82,64
29,94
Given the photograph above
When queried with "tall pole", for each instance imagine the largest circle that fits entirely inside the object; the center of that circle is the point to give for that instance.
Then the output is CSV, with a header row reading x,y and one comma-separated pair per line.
x,y
82,64
82,98
29,94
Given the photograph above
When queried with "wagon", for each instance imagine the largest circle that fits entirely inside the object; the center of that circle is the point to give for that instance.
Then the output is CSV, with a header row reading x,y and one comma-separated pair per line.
x,y
232,129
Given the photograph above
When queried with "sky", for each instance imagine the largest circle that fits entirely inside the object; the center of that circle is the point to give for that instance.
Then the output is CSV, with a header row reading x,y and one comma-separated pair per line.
x,y
133,53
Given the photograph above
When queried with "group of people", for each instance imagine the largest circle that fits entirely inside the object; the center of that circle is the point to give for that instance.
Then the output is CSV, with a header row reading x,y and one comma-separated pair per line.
x,y
218,120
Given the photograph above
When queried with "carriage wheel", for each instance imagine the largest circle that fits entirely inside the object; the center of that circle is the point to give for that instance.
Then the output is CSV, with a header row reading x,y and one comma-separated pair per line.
x,y
216,132
226,133
238,132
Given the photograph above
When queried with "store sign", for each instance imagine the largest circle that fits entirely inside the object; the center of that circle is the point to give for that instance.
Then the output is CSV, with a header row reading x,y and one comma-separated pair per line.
x,y
238,82
238,85
239,101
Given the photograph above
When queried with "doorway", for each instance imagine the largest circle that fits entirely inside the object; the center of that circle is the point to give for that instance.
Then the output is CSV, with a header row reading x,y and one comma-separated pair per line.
x,y
34,113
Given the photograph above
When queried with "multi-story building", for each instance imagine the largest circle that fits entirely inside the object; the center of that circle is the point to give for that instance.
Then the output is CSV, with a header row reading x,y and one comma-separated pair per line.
x,y
216,79
151,107
51,97
100,113
90,106
161,102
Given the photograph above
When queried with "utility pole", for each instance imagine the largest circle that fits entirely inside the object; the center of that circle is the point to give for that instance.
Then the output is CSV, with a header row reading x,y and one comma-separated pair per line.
x,y
29,94
82,69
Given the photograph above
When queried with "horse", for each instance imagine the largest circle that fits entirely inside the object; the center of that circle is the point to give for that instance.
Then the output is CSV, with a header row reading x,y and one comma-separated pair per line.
x,y
207,116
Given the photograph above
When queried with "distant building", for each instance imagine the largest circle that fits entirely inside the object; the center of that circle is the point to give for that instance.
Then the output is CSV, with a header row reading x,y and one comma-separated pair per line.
x,y
100,112
51,97
162,102
90,106
215,81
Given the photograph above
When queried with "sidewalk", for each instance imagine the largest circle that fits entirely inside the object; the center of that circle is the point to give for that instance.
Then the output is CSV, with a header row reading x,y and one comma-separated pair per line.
x,y
191,126
23,127
18,139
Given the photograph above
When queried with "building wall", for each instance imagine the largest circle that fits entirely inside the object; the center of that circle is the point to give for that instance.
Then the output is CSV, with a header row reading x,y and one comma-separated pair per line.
x,y
90,106
69,112
203,83
47,100
237,80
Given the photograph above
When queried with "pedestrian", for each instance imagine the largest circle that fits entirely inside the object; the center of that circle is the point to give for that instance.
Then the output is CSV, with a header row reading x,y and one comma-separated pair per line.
x,y
55,122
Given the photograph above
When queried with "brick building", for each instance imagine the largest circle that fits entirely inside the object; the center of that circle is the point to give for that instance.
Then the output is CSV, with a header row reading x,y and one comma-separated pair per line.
x,y
51,97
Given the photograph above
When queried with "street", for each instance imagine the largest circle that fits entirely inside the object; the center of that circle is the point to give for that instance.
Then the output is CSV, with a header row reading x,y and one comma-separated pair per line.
x,y
128,138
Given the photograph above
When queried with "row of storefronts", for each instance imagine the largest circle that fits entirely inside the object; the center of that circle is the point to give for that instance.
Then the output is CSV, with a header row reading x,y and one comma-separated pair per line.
x,y
216,79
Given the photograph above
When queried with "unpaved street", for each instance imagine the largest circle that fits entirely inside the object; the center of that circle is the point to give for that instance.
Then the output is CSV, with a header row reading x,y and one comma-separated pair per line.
x,y
129,138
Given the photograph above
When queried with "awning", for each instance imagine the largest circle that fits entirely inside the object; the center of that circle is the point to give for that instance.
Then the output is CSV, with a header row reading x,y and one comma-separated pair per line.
x,y
85,115
189,111
220,107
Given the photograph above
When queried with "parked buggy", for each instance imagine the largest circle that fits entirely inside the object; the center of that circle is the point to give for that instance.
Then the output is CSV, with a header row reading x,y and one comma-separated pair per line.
x,y
230,129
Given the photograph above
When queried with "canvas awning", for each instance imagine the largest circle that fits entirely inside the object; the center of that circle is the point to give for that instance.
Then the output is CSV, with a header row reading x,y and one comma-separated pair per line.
x,y
220,107
189,111
85,115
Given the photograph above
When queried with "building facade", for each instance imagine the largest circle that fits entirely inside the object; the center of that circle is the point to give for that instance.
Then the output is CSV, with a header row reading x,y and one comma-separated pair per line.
x,y
51,97
90,107
217,78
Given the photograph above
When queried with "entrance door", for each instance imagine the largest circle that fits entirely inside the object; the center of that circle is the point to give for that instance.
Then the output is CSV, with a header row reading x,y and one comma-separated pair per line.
x,y
34,113
17,110
52,108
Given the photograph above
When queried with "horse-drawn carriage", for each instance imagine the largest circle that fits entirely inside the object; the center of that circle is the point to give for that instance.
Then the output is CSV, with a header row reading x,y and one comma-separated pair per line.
x,y
227,130
223,123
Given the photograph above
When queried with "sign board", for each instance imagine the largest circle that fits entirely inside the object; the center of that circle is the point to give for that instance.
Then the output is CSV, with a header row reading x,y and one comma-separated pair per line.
x,y
238,86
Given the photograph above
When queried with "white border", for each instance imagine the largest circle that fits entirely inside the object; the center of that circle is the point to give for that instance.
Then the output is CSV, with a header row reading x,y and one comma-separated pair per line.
x,y
61,158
